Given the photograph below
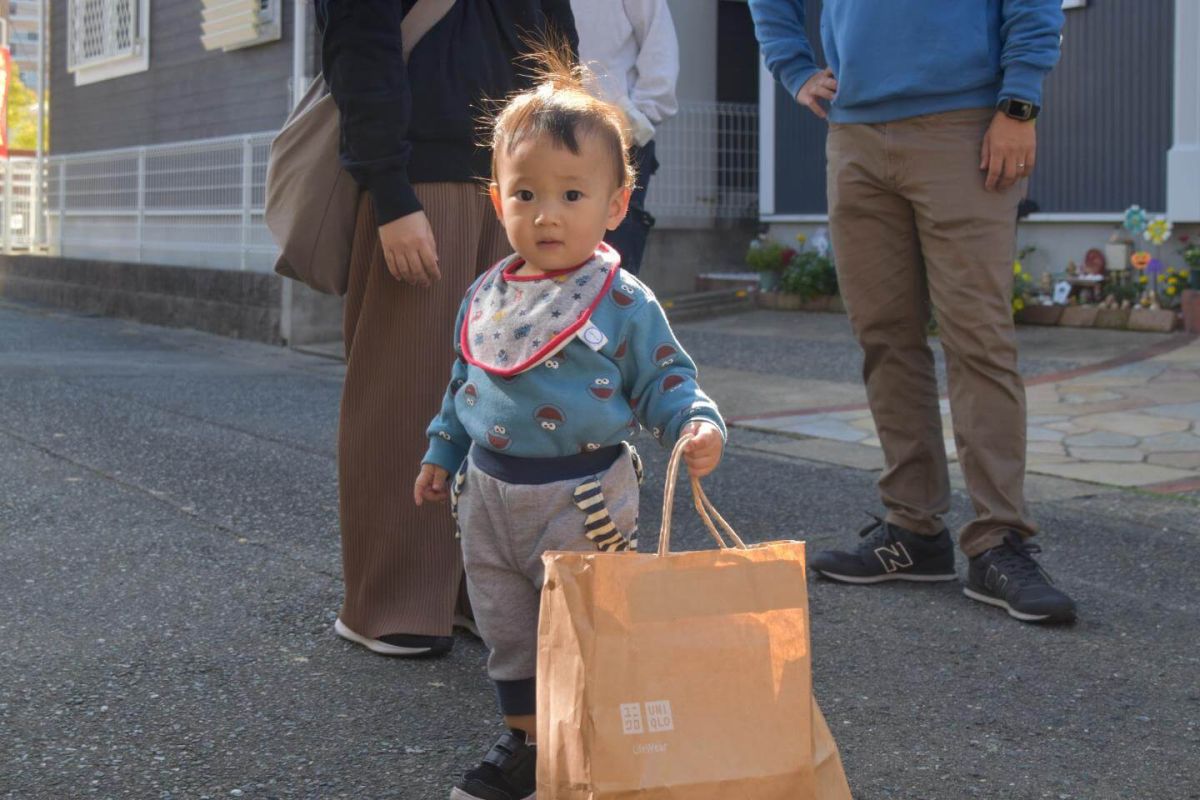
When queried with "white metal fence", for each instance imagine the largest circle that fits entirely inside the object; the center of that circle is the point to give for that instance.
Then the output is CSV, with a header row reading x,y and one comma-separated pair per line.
x,y
201,203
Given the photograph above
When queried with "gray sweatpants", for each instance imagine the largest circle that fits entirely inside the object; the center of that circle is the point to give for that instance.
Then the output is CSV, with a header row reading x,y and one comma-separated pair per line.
x,y
505,528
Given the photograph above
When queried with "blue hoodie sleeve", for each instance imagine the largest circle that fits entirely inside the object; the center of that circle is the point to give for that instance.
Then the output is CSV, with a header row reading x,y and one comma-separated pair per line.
x,y
1031,31
779,28
661,377
448,438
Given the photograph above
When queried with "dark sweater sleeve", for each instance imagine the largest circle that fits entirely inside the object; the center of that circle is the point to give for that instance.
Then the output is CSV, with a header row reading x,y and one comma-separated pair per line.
x,y
560,18
363,63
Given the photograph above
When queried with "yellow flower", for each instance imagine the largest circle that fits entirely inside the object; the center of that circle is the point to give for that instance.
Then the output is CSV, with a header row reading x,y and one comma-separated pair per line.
x,y
1016,268
801,238
1018,304
1143,280
1171,290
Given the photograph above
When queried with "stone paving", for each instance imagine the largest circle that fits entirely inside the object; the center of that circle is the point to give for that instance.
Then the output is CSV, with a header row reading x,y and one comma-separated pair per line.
x,y
1134,425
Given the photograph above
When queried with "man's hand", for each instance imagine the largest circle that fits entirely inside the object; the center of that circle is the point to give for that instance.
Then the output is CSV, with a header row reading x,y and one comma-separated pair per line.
x,y
409,249
822,86
431,485
703,452
1009,152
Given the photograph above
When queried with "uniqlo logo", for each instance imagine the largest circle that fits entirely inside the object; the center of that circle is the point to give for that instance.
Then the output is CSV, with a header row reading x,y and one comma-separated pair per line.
x,y
631,718
658,716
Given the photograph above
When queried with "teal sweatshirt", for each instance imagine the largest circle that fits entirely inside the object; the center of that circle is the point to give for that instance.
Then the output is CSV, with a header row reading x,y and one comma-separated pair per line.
x,y
896,59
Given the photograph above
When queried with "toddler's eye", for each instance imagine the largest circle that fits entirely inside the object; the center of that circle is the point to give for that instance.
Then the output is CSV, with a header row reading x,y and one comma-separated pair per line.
x,y
524,195
573,195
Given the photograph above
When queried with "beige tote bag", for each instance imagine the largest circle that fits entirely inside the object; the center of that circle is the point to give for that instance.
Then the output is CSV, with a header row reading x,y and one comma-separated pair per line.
x,y
311,201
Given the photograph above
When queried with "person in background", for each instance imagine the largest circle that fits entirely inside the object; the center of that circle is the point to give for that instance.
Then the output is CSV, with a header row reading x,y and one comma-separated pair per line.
x,y
931,105
631,48
425,230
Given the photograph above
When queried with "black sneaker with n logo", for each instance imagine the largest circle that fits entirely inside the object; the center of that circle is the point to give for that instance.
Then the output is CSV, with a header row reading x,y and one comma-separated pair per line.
x,y
889,553
1008,576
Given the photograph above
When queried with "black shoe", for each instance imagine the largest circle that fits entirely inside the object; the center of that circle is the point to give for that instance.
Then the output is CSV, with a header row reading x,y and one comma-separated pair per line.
x,y
399,644
889,553
1007,576
508,772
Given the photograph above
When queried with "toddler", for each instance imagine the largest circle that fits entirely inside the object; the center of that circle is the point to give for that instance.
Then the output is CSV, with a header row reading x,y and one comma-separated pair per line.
x,y
561,357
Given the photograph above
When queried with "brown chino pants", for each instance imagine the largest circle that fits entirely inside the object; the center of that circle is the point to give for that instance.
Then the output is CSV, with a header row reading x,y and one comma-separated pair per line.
x,y
402,564
912,225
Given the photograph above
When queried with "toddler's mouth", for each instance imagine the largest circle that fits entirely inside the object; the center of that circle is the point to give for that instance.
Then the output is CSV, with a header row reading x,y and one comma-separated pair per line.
x,y
548,243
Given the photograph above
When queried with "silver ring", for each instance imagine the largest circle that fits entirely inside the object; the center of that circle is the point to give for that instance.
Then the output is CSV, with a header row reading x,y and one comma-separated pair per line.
x,y
1020,166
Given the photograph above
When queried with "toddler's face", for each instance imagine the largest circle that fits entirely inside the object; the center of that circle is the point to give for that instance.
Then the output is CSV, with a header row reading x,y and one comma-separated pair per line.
x,y
556,205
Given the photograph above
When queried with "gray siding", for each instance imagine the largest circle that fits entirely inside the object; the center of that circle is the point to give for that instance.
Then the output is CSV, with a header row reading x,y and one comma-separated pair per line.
x,y
188,92
1103,144
1104,134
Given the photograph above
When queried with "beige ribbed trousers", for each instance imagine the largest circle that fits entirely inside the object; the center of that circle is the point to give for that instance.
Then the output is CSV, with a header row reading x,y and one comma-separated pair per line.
x,y
402,564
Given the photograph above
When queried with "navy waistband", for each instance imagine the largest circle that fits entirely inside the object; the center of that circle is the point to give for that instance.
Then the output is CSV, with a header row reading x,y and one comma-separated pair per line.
x,y
536,471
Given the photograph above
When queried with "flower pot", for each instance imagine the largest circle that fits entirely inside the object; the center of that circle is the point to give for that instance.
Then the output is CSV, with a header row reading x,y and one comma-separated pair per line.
x,y
1078,316
1190,304
1113,318
1039,315
1153,320
768,281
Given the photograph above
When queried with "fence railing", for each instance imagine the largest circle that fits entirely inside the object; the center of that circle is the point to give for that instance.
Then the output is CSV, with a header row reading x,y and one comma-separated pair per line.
x,y
200,203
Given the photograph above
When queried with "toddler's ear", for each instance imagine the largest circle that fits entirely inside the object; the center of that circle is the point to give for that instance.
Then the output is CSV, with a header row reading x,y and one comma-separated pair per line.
x,y
494,193
617,207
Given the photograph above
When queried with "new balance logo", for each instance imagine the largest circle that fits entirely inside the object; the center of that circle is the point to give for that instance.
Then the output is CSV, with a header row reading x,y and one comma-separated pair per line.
x,y
995,580
894,557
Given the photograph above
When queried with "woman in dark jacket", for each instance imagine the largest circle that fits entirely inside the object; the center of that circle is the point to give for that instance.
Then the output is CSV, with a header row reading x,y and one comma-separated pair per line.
x,y
425,230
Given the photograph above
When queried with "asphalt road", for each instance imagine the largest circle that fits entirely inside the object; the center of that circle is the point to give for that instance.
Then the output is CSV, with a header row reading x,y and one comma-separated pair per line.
x,y
169,573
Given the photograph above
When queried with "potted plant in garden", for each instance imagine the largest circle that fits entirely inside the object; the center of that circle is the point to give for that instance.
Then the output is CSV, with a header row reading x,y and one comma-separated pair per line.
x,y
812,279
769,259
1189,300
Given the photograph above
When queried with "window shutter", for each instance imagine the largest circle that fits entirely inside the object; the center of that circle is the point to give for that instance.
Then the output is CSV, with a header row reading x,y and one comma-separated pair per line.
x,y
232,23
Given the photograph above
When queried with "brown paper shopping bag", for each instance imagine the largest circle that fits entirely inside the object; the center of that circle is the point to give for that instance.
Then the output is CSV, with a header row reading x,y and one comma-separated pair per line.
x,y
681,675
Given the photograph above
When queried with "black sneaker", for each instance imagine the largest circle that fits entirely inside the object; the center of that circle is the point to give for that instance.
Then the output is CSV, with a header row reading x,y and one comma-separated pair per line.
x,y
889,553
398,644
1007,576
508,772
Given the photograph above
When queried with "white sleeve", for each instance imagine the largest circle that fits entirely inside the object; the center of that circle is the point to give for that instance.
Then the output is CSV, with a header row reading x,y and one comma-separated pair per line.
x,y
653,93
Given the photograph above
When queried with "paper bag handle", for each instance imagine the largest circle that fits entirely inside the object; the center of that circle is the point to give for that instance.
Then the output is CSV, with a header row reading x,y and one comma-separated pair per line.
x,y
704,506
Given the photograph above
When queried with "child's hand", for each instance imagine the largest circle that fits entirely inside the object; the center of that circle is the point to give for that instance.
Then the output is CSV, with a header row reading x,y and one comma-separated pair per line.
x,y
703,452
431,484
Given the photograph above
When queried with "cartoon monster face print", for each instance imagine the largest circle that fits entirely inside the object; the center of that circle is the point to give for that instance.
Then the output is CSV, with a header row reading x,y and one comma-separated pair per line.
x,y
470,395
672,382
551,418
602,389
622,295
455,385
622,349
498,438
555,361
589,447
664,355
444,435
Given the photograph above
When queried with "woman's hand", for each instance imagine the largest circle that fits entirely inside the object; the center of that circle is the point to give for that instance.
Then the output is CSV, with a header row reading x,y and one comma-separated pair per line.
x,y
703,452
431,485
410,250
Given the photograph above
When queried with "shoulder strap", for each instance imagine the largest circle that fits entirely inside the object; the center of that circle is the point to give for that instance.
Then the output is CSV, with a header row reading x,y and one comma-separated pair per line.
x,y
419,20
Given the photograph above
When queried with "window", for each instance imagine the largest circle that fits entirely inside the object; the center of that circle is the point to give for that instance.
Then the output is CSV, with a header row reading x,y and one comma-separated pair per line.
x,y
107,38
233,24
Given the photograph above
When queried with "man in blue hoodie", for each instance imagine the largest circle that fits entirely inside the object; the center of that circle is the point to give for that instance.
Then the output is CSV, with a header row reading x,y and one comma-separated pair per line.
x,y
931,108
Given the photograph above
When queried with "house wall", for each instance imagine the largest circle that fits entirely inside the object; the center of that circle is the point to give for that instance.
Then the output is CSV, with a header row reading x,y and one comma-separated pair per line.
x,y
1103,135
188,92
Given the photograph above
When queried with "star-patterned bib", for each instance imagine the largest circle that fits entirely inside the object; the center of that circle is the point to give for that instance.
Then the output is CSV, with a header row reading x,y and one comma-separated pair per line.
x,y
516,322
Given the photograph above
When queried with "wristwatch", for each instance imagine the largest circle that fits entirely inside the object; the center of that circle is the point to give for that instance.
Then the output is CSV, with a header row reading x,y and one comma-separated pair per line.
x,y
1022,110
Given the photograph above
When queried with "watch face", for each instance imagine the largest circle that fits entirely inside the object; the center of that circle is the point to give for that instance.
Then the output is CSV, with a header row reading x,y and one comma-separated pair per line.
x,y
1020,109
